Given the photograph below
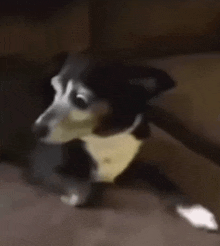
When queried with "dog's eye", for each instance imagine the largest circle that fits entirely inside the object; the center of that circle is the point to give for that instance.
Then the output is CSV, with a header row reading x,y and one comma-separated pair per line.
x,y
81,102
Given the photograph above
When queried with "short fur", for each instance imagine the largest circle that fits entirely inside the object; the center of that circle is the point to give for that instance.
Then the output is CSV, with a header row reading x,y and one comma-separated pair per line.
x,y
108,124
113,126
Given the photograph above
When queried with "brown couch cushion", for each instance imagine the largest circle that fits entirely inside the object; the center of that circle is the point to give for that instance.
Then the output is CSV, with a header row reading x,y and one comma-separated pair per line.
x,y
127,217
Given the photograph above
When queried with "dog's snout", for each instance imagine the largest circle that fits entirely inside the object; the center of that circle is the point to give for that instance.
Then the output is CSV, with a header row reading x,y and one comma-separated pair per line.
x,y
40,131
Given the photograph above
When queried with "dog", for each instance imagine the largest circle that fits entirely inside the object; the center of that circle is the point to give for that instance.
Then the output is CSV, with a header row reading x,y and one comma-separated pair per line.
x,y
98,123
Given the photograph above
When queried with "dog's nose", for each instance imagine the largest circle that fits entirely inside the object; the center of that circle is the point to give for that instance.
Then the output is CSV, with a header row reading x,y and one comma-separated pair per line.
x,y
40,131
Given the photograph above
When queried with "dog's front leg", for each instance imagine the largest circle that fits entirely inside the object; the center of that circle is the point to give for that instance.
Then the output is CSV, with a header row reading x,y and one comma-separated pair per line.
x,y
62,169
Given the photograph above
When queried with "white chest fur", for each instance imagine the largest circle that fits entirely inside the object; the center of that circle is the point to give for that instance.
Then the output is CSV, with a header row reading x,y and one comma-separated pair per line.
x,y
112,154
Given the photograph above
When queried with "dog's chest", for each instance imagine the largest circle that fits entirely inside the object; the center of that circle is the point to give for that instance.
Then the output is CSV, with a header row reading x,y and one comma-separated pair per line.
x,y
112,154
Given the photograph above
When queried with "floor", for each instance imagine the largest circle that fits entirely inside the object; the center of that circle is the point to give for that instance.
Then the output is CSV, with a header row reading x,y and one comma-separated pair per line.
x,y
127,217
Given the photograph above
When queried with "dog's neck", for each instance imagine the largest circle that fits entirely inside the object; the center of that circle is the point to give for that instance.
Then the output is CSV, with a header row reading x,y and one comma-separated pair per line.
x,y
114,153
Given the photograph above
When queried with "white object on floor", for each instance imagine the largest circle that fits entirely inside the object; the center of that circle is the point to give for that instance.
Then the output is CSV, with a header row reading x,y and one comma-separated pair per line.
x,y
198,216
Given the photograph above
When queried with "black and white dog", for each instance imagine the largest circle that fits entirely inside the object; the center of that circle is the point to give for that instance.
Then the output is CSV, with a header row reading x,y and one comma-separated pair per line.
x,y
95,126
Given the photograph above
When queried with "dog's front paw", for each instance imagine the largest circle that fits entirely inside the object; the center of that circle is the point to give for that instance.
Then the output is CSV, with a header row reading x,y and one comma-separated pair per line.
x,y
198,216
77,193
72,200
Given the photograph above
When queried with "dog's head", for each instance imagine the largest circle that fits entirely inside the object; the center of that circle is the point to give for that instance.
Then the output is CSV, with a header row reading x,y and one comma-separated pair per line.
x,y
93,97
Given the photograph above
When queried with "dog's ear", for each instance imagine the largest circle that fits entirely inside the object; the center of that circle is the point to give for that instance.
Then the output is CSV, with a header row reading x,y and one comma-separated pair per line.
x,y
154,81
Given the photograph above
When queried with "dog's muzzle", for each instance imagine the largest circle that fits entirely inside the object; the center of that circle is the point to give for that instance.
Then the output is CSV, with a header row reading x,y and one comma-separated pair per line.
x,y
61,123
